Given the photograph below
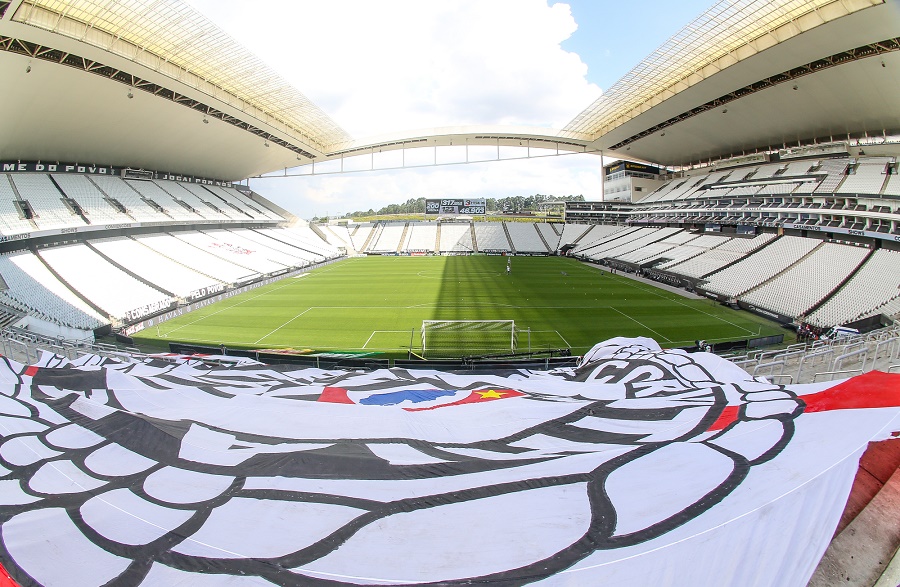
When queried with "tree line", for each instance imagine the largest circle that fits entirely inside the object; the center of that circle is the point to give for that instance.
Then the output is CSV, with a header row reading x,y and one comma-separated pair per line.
x,y
511,204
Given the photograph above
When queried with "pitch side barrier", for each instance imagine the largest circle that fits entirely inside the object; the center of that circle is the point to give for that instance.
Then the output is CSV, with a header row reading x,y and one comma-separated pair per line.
x,y
339,360
212,296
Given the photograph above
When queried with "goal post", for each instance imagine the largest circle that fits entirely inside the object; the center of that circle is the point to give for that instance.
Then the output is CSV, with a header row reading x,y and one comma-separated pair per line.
x,y
455,338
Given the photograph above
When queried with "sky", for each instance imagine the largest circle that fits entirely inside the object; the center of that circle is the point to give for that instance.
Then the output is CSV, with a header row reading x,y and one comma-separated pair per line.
x,y
388,65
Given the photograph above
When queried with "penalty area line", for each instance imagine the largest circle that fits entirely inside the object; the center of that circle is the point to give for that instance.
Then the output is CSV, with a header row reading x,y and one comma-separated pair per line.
x,y
283,325
641,323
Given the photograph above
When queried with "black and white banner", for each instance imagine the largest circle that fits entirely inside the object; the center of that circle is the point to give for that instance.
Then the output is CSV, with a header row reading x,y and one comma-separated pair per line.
x,y
639,467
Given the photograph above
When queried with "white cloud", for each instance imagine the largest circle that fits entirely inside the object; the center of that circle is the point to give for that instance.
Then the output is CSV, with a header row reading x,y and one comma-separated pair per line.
x,y
379,67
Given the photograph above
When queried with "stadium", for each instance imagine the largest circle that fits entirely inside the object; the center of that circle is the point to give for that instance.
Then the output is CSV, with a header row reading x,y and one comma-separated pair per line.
x,y
692,380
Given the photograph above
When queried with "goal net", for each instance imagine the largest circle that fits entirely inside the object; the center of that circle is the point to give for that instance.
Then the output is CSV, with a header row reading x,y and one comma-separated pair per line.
x,y
456,338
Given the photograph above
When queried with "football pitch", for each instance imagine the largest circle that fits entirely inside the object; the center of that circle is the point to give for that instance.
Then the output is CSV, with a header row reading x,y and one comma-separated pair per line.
x,y
377,305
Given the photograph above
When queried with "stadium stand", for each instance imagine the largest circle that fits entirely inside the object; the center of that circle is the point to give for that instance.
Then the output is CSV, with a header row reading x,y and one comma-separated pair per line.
x,y
872,288
715,256
809,280
338,235
302,237
490,236
198,258
46,201
389,238
222,245
571,233
122,296
122,192
456,237
154,267
525,237
81,189
12,220
422,236
174,206
760,266
866,177
35,290
551,237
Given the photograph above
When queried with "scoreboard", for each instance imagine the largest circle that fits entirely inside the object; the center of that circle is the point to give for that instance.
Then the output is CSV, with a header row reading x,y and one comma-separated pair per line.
x,y
452,207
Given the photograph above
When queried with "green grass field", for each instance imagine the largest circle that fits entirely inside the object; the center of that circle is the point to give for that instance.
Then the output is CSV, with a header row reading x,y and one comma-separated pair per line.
x,y
377,304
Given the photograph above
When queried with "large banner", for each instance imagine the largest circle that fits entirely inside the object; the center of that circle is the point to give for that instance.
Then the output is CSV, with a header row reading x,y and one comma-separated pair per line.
x,y
640,467
452,207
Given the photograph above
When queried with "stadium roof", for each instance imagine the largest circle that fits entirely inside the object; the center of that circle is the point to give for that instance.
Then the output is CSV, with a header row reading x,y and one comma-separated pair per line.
x,y
743,53
172,38
729,32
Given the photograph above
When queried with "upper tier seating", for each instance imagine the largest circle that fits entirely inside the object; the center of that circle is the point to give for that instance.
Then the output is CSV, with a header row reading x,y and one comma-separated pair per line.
x,y
122,192
187,193
11,221
46,201
81,189
868,178
166,197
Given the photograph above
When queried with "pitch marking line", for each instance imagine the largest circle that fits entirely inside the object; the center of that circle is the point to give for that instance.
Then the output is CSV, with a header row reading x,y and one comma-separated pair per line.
x,y
655,291
283,325
374,332
563,338
225,309
639,322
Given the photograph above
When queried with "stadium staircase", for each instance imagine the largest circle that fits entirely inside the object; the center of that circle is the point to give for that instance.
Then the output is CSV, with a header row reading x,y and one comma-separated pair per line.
x,y
543,240
437,237
404,238
509,239
474,240
373,237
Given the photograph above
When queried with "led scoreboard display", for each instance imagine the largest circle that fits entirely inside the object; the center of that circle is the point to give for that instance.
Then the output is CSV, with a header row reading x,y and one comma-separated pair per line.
x,y
455,207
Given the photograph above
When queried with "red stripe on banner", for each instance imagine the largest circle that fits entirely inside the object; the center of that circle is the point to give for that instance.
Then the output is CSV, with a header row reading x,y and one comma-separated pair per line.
x,y
335,395
874,389
6,580
476,397
31,371
728,415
